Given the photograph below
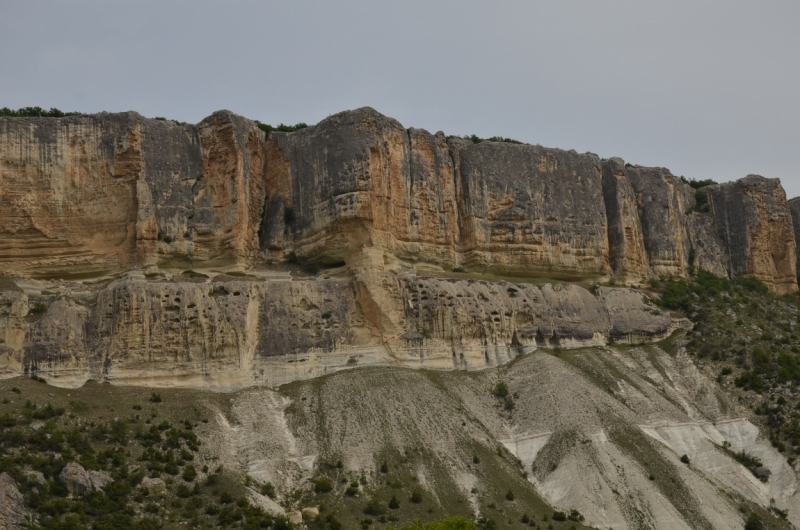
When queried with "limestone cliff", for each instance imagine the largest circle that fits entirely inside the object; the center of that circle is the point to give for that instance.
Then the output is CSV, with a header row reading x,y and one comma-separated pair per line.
x,y
794,209
423,234
753,220
94,195
91,195
230,332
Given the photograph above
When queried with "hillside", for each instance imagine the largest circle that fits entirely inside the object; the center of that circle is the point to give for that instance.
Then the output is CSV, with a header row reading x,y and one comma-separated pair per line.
x,y
358,325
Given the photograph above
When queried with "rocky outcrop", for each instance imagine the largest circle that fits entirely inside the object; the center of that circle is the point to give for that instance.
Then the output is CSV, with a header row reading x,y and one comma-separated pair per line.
x,y
153,485
127,202
531,211
753,220
93,195
794,209
227,332
626,243
78,481
75,478
13,514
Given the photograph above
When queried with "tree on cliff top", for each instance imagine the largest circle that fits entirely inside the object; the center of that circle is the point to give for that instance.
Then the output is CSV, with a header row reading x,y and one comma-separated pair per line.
x,y
36,112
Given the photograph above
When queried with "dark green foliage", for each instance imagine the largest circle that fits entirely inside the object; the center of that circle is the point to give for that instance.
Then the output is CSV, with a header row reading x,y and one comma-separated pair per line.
x,y
750,381
352,489
189,473
36,112
39,308
683,294
685,459
280,128
509,495
416,496
394,503
384,468
176,122
155,398
697,184
559,516
475,139
575,515
268,489
375,507
322,485
754,522
501,390
747,460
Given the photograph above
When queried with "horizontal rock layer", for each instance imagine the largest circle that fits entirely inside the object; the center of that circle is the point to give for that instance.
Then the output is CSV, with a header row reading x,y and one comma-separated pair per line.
x,y
100,194
230,334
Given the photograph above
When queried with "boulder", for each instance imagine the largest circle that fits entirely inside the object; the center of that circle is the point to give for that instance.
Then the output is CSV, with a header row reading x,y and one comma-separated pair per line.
x,y
295,517
100,479
762,473
153,485
75,478
36,476
310,513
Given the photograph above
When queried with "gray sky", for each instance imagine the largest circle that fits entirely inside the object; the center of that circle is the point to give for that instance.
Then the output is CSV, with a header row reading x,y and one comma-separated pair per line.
x,y
708,89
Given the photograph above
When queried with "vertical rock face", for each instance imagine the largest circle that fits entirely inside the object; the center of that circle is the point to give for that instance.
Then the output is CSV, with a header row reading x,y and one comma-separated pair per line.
x,y
92,195
530,210
201,193
99,194
345,182
108,194
794,209
67,193
662,201
753,220
625,235
359,179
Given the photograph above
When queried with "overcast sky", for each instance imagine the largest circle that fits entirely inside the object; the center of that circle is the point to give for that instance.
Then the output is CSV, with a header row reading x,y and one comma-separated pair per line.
x,y
707,89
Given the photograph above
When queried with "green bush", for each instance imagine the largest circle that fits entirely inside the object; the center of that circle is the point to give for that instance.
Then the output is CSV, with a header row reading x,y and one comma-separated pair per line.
x,y
416,496
322,485
39,308
475,139
575,515
375,507
268,489
697,184
281,128
36,112
451,523
754,522
189,473
394,503
501,390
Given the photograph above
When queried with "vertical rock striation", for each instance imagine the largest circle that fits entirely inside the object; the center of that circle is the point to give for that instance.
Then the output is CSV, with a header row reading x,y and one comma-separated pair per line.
x,y
752,219
94,195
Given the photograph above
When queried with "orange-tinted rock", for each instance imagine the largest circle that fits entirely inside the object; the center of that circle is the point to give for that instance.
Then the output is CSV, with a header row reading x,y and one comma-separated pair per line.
x,y
753,220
